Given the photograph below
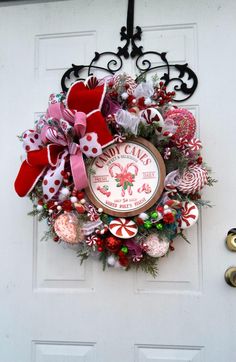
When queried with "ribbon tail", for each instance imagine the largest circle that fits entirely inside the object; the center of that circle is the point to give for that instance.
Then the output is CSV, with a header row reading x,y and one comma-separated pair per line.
x,y
53,178
27,178
78,171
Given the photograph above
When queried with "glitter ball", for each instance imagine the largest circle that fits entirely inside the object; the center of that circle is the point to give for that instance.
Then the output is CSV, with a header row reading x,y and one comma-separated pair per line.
x,y
156,246
67,229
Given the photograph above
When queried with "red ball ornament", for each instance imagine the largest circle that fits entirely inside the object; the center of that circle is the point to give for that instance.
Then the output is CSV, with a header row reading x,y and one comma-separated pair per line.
x,y
99,242
113,244
123,260
66,205
80,195
169,218
139,221
51,205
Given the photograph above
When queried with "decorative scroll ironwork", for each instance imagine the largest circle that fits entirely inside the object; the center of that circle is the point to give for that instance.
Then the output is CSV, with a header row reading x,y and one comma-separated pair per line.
x,y
179,77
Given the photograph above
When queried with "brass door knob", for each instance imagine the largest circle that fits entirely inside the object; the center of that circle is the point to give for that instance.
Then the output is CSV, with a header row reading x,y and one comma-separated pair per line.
x,y
231,240
230,276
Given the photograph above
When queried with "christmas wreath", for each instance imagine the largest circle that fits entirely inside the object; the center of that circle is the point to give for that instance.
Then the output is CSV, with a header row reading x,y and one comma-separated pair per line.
x,y
115,169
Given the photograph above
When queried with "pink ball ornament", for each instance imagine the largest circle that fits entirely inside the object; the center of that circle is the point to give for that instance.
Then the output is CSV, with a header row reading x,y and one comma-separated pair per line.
x,y
156,246
185,122
67,229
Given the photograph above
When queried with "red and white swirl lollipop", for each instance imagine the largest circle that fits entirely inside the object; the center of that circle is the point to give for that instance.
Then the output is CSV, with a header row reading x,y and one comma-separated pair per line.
x,y
194,144
123,228
193,179
189,215
185,122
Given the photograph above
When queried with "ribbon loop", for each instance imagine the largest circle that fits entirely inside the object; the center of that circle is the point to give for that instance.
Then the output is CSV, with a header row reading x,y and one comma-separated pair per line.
x,y
73,148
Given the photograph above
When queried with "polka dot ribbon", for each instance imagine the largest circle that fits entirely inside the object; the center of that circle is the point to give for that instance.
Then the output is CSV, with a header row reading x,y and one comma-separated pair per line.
x,y
49,161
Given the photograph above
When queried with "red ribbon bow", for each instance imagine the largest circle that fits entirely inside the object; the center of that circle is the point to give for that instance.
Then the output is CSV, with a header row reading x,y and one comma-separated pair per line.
x,y
52,157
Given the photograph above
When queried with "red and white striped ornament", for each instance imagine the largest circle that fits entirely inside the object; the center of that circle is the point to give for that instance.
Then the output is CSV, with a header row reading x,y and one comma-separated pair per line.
x,y
189,215
91,240
193,179
102,231
129,82
194,144
152,115
123,228
92,213
181,143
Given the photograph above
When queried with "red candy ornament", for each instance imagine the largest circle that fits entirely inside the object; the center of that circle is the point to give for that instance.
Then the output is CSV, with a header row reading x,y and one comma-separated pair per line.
x,y
112,244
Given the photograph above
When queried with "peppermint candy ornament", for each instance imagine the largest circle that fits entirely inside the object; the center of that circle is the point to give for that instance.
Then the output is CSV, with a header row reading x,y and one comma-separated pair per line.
x,y
189,215
193,179
156,246
194,144
91,240
123,228
152,115
185,122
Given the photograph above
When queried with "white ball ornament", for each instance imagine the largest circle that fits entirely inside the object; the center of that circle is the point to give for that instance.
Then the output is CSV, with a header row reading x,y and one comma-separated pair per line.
x,y
65,191
82,201
73,199
39,207
143,216
147,102
124,95
100,210
156,246
111,260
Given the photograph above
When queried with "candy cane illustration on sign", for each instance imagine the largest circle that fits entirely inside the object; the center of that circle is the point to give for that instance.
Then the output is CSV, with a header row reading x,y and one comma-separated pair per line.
x,y
124,178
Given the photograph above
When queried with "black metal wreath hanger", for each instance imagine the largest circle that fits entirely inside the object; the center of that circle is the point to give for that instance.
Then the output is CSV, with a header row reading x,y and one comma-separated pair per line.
x,y
177,77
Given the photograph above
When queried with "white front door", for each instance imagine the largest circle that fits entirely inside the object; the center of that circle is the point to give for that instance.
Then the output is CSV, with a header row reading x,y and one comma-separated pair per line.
x,y
51,308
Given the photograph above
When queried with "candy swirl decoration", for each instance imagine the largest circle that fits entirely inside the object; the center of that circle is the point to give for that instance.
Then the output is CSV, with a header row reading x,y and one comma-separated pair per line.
x,y
193,179
100,121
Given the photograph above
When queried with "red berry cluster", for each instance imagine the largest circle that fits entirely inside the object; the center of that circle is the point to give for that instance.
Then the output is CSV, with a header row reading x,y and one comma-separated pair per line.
x,y
161,95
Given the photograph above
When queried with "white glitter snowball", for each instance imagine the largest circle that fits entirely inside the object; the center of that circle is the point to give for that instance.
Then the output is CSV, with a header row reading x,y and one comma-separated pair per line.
x,y
124,95
65,191
111,260
143,216
156,246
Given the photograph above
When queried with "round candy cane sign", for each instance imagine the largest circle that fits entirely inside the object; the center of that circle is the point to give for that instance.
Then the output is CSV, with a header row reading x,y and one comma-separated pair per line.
x,y
128,178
